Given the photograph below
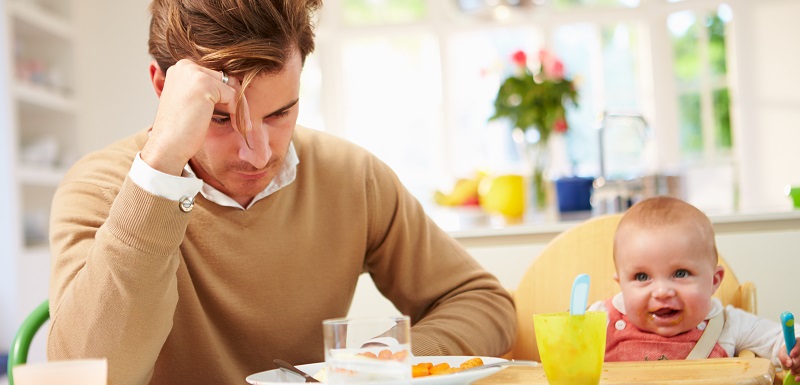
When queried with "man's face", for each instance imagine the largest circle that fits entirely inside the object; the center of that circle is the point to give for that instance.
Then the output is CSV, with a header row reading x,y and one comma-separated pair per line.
x,y
667,277
242,170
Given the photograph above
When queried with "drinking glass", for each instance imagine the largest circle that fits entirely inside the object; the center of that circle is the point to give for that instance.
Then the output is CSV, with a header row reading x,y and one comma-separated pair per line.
x,y
374,350
571,347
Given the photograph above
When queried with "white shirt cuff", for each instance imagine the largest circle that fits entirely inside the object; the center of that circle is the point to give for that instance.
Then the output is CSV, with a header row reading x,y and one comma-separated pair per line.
x,y
164,185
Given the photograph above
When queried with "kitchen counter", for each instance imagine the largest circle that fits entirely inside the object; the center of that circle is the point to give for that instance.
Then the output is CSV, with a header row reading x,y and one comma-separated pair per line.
x,y
471,226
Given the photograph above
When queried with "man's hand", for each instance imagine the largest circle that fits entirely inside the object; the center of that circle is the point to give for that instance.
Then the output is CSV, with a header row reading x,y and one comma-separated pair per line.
x,y
187,101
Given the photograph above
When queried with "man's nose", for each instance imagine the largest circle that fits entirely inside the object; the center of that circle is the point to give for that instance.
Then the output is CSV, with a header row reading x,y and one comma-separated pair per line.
x,y
255,150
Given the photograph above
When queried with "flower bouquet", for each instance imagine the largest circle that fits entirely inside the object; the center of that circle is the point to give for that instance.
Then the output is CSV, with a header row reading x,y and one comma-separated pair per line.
x,y
535,101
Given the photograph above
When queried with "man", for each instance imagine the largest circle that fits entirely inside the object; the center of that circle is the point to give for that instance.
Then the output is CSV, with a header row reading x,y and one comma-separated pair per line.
x,y
173,286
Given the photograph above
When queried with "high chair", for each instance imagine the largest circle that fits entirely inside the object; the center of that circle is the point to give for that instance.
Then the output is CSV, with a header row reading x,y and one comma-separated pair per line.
x,y
588,248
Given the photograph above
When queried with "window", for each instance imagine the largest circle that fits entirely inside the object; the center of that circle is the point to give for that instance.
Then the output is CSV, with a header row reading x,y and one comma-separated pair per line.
x,y
414,81
700,64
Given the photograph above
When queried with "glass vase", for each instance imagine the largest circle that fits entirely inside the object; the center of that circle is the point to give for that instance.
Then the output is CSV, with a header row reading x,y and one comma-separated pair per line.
x,y
539,155
536,157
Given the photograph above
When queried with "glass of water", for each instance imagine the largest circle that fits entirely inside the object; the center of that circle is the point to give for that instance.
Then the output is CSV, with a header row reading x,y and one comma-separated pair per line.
x,y
371,350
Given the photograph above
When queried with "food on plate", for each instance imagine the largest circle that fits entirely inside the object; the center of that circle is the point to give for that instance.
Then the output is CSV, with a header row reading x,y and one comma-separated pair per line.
x,y
384,354
423,369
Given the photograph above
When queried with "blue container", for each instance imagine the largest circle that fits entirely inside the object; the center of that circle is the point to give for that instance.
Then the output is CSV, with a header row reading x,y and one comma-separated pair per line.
x,y
574,193
3,364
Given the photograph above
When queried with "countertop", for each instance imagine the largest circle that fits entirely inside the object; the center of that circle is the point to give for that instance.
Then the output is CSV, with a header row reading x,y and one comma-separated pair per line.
x,y
472,222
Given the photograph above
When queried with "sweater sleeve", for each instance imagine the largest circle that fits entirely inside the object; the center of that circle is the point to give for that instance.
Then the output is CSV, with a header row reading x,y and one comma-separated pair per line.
x,y
113,288
456,307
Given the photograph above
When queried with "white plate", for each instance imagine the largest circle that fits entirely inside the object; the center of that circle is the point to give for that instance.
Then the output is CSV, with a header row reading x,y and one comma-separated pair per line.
x,y
277,376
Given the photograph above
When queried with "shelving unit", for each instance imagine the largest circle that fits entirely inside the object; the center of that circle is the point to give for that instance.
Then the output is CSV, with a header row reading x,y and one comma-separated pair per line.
x,y
38,142
43,109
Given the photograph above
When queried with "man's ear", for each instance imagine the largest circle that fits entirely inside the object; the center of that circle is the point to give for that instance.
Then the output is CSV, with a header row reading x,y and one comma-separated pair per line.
x,y
157,77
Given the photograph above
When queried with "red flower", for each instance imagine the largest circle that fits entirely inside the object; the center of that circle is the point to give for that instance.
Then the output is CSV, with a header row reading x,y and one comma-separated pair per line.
x,y
519,58
560,126
552,67
557,70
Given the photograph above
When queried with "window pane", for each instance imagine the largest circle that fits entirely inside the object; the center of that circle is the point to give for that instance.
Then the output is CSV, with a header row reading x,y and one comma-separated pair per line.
x,y
717,25
578,46
684,30
479,61
371,12
716,45
722,119
691,127
621,67
392,104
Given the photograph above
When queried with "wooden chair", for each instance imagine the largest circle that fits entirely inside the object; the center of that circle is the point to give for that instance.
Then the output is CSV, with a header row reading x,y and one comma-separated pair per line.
x,y
587,248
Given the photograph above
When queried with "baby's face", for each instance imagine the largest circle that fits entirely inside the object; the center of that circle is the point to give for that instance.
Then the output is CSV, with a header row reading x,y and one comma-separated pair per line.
x,y
667,279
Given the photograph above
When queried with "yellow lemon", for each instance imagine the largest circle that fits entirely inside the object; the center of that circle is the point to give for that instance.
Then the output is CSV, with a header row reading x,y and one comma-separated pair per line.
x,y
503,194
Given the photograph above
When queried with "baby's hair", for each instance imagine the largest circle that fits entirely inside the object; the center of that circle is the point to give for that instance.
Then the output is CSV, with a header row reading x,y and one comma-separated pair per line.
x,y
659,212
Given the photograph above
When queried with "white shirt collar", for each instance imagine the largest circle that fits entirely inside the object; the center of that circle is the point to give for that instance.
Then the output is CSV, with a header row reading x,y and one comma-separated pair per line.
x,y
287,175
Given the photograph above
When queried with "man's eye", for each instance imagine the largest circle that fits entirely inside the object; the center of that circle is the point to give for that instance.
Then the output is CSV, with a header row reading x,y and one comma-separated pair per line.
x,y
641,277
220,121
682,273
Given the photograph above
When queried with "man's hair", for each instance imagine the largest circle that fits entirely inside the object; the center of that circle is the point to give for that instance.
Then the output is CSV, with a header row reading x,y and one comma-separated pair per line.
x,y
243,38
653,214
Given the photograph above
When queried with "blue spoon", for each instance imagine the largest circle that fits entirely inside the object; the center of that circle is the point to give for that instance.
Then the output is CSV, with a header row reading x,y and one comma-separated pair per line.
x,y
787,322
580,295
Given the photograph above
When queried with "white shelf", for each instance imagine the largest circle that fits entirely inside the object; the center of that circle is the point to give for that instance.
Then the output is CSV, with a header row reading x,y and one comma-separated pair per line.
x,y
43,97
40,175
40,19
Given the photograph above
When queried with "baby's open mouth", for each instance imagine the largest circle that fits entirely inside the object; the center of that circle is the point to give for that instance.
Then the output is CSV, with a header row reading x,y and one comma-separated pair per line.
x,y
665,313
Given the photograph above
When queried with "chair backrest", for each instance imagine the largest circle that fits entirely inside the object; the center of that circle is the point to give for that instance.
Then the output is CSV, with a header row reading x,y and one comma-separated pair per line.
x,y
22,341
587,248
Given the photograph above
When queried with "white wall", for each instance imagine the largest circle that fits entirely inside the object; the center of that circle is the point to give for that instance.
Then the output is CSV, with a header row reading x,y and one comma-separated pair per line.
x,y
113,70
768,129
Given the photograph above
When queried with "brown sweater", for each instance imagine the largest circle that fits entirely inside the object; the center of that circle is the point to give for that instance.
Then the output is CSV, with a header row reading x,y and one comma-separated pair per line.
x,y
213,295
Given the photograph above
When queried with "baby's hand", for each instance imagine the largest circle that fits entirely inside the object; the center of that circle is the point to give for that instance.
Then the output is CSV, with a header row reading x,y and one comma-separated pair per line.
x,y
791,361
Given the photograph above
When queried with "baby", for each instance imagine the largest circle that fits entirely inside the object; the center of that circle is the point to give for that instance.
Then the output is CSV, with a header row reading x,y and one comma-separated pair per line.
x,y
667,269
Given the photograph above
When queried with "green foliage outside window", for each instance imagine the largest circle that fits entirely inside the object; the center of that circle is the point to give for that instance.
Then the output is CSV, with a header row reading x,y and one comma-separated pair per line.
x,y
722,118
688,67
718,63
716,45
690,123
